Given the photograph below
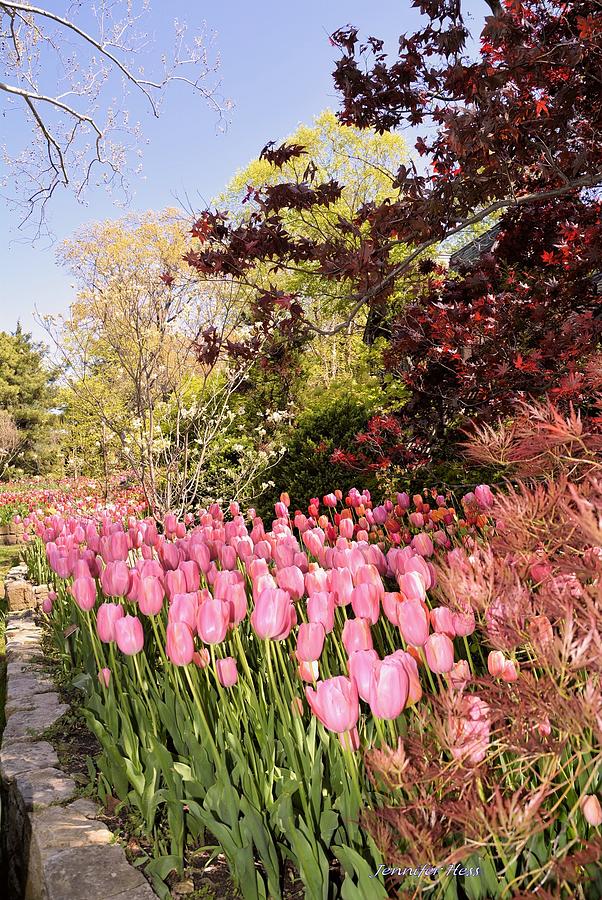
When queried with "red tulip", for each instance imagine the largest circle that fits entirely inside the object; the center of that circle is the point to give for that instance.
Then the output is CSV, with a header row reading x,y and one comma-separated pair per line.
x,y
335,703
129,635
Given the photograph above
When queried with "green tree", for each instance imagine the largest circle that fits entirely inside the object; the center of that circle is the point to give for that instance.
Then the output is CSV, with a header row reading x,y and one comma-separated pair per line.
x,y
27,393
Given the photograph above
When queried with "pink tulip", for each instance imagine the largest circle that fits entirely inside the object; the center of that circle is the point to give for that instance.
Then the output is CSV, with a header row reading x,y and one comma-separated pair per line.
x,y
199,553
346,528
335,703
341,585
175,583
212,620
104,676
442,621
201,658
495,663
591,809
106,616
115,579
309,671
291,579
227,672
365,602
510,671
439,651
320,608
310,641
459,675
47,605
422,544
464,623
412,585
389,687
484,496
411,668
180,643
413,622
151,595
272,616
357,635
129,635
360,665
84,591
184,608
191,575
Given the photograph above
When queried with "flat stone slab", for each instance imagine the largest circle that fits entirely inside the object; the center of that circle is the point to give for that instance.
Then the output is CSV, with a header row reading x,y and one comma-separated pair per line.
x,y
28,725
60,828
44,787
21,757
94,873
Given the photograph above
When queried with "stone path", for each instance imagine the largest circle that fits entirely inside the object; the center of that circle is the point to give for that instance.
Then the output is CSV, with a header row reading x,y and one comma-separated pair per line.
x,y
56,848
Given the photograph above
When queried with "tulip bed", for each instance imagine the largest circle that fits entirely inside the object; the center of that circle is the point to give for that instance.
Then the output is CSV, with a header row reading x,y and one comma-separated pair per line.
x,y
237,678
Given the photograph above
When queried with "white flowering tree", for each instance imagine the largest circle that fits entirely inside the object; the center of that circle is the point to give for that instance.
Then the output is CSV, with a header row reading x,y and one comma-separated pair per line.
x,y
131,352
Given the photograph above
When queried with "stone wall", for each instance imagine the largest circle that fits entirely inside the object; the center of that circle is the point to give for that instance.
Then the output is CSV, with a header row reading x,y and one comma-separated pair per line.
x,y
55,849
11,534
20,593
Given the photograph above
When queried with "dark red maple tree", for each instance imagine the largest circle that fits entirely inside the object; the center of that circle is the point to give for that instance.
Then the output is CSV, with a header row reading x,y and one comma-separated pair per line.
x,y
512,130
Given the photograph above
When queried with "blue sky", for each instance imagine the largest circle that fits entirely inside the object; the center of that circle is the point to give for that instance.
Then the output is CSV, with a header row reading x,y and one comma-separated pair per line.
x,y
275,66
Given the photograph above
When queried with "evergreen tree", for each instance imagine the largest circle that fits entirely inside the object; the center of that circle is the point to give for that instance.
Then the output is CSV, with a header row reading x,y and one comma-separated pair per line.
x,y
27,393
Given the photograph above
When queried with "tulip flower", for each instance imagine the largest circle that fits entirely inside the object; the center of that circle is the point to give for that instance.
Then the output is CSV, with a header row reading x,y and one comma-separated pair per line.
x,y
179,643
201,658
291,579
422,544
184,608
442,621
360,665
115,579
309,671
335,703
104,676
357,635
106,616
459,675
213,618
129,635
272,616
411,668
439,651
320,608
151,595
365,602
84,591
412,585
226,671
389,688
483,496
591,809
47,605
310,641
413,622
